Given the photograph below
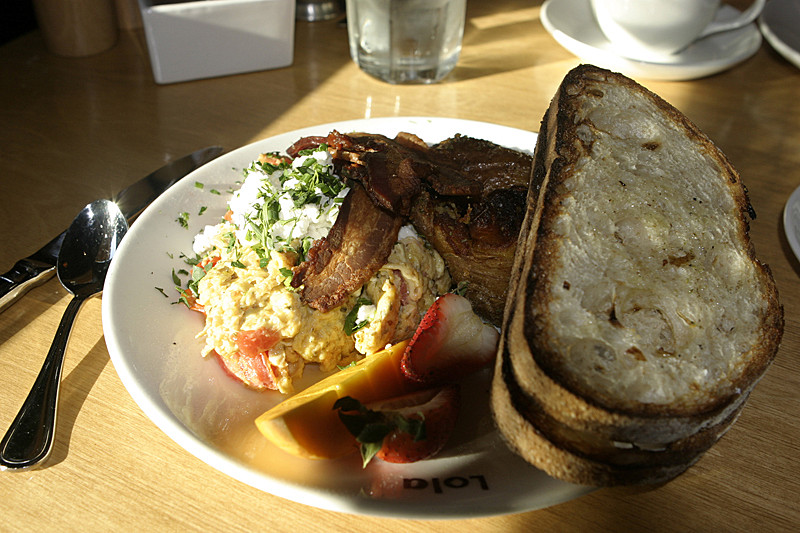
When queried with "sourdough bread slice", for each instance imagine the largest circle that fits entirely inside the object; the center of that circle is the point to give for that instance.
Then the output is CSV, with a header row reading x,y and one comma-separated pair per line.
x,y
638,311
569,460
610,437
581,414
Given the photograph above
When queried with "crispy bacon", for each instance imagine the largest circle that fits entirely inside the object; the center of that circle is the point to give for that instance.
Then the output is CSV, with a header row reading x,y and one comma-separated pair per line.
x,y
477,236
390,175
305,143
357,245
466,196
394,171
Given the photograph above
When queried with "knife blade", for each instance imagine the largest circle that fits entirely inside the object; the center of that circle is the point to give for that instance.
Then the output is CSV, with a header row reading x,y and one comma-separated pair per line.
x,y
40,266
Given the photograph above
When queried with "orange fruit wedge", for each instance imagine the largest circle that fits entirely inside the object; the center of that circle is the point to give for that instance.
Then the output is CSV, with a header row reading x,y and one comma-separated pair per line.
x,y
306,424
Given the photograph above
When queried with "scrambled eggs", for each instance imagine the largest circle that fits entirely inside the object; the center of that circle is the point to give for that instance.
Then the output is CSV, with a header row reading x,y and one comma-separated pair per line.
x,y
245,287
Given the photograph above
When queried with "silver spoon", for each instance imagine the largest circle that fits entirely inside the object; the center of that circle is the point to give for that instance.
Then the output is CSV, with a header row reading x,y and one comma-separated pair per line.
x,y
89,245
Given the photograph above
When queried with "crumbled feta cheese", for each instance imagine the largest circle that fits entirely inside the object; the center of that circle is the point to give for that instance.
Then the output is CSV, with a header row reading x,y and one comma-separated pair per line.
x,y
365,312
279,192
247,201
202,241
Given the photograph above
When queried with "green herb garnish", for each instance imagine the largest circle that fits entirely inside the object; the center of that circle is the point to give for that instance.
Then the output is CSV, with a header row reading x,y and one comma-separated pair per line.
x,y
371,427
350,324
183,219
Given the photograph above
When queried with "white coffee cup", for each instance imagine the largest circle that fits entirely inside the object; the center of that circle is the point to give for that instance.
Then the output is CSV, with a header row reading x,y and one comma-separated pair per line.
x,y
654,30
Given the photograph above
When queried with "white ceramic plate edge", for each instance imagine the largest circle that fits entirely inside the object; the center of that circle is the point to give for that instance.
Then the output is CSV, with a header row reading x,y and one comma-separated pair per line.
x,y
791,221
774,8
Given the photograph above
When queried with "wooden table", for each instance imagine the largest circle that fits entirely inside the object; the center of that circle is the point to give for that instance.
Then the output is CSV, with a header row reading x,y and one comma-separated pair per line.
x,y
77,129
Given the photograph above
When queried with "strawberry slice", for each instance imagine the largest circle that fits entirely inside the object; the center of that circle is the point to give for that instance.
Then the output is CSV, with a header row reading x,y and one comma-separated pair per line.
x,y
450,343
404,429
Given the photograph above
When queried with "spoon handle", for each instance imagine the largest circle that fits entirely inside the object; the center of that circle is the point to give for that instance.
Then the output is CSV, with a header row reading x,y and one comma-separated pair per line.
x,y
29,440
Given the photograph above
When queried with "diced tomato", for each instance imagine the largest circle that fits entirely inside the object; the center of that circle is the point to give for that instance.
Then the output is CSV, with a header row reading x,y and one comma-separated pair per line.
x,y
191,301
224,365
255,372
273,159
206,260
228,215
250,364
255,342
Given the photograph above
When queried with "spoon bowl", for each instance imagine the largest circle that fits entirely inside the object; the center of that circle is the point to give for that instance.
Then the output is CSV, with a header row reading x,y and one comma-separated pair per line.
x,y
83,261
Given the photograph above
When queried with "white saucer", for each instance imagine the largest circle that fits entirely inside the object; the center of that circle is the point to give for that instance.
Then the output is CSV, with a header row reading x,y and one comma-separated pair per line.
x,y
780,24
572,24
791,221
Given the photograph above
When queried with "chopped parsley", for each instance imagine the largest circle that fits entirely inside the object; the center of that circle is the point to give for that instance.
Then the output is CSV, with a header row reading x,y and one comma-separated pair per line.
x,y
183,220
305,246
287,278
461,288
351,323
200,268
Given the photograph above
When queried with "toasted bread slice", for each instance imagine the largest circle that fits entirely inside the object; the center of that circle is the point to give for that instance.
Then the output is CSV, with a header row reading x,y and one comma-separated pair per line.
x,y
638,310
612,437
582,415
586,458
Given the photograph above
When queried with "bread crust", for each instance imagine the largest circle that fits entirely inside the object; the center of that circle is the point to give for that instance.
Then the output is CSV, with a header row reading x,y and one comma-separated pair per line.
x,y
554,394
546,404
582,414
533,445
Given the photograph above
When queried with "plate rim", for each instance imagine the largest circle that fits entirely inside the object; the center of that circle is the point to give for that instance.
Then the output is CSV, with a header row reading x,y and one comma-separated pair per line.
x,y
788,222
772,8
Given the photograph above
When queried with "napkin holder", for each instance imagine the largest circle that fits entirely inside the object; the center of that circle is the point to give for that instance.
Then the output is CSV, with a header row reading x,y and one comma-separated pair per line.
x,y
190,40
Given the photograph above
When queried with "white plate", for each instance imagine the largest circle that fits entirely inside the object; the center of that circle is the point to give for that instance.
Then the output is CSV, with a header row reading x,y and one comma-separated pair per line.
x,y
791,221
780,24
154,350
573,26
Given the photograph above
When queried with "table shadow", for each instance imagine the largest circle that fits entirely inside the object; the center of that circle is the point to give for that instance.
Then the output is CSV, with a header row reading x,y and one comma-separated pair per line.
x,y
75,388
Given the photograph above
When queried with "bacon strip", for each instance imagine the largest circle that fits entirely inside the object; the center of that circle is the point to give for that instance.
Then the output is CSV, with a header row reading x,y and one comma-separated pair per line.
x,y
395,171
357,245
305,143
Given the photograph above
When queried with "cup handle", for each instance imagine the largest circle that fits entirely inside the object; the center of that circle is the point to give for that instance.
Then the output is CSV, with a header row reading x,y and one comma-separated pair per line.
x,y
747,16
